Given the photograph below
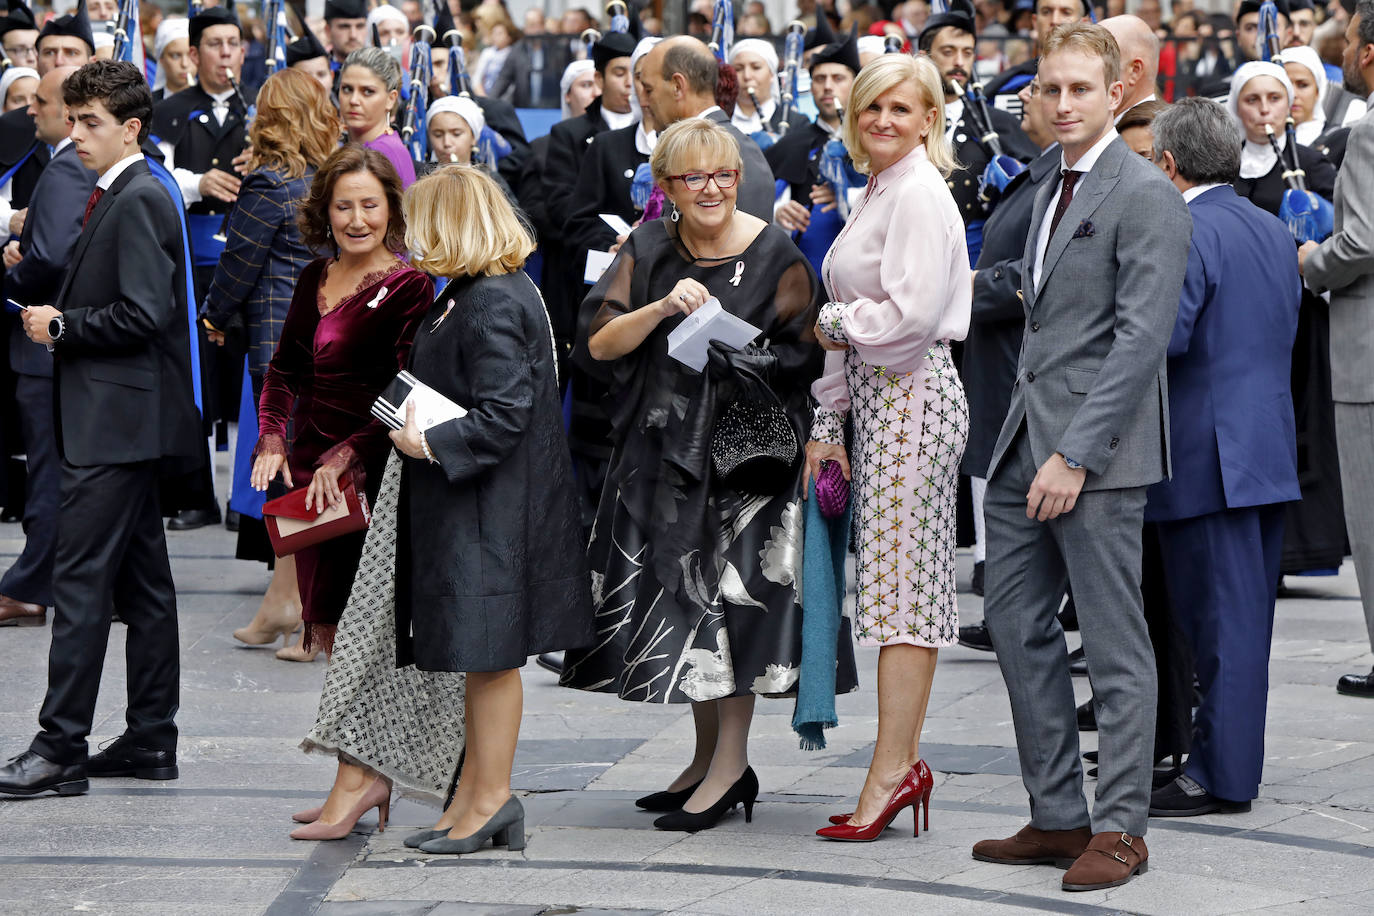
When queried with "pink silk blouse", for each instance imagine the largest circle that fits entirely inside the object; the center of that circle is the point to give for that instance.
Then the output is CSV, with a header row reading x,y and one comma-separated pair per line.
x,y
900,270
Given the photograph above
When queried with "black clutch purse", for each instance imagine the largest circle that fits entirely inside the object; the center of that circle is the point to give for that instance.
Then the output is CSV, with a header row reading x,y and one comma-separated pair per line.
x,y
754,448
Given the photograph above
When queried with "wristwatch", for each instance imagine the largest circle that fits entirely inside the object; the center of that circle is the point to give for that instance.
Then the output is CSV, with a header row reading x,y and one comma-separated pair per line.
x,y
56,326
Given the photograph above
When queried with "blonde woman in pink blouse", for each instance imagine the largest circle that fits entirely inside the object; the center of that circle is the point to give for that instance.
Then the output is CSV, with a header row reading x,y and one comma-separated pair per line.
x,y
898,282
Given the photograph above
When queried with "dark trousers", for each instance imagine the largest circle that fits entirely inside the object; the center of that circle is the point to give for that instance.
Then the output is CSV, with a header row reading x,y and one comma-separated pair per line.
x,y
1222,571
111,552
30,578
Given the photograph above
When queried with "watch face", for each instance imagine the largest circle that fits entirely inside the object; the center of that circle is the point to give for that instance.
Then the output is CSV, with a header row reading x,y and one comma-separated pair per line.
x,y
55,328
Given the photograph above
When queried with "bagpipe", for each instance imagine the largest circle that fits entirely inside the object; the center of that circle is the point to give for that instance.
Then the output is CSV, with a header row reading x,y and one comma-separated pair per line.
x,y
589,38
619,15
413,132
1310,217
1003,168
791,69
276,37
491,146
722,29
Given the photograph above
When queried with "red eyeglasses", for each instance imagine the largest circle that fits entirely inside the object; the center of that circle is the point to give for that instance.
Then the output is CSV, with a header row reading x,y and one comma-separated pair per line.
x,y
695,181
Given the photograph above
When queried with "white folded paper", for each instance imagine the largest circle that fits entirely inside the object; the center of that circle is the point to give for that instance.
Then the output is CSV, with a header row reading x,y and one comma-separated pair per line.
x,y
431,407
597,262
690,341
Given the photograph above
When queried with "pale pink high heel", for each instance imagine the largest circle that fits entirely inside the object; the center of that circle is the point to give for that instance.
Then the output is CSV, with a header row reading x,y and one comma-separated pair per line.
x,y
308,816
378,795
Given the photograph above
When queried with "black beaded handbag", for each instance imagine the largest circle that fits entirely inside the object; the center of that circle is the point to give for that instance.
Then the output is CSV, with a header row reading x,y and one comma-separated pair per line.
x,y
754,448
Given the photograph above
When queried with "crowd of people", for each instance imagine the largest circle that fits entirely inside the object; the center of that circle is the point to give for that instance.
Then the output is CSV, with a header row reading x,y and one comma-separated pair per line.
x,y
869,286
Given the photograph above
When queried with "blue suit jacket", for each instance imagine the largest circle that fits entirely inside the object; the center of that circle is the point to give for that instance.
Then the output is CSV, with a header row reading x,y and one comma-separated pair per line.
x,y
1230,396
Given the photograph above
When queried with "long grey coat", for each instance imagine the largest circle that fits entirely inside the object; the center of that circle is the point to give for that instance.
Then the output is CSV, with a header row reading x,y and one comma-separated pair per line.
x,y
491,560
1091,382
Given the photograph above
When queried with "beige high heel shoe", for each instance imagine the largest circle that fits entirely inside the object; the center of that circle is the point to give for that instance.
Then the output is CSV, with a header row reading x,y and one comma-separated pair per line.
x,y
297,653
256,634
377,795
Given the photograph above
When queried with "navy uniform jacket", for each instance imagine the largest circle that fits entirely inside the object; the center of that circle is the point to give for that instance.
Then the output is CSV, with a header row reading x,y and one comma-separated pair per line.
x,y
970,154
1230,401
186,122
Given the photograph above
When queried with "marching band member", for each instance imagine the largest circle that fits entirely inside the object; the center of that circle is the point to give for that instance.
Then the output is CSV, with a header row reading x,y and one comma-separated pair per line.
x,y
172,52
307,54
756,63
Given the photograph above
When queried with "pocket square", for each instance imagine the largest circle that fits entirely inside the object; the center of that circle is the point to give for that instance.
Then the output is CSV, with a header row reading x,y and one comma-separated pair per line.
x,y
1084,230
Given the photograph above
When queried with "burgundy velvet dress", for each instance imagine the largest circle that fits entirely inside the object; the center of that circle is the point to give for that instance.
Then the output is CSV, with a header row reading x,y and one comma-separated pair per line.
x,y
331,367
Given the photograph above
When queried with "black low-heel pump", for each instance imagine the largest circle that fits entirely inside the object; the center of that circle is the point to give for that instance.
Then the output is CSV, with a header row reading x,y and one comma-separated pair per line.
x,y
667,800
744,792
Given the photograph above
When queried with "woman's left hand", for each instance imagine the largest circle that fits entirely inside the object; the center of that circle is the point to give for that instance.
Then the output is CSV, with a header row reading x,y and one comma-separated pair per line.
x,y
825,342
407,439
324,488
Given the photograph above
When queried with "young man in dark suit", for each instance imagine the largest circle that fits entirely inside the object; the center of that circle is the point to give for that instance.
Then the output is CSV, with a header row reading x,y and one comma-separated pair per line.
x,y
122,391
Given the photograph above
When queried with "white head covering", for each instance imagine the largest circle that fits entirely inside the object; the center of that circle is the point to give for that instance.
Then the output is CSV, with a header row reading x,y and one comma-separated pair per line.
x,y
570,74
644,47
872,44
168,31
464,108
757,46
1249,71
102,39
1309,58
384,12
12,76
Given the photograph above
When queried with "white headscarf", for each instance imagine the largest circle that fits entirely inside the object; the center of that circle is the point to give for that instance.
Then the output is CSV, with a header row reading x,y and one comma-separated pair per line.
x,y
464,108
756,46
12,76
872,44
1310,129
644,47
570,75
1257,159
384,12
168,31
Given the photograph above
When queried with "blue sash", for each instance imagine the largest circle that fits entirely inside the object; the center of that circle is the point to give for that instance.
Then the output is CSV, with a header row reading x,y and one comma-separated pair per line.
x,y
973,237
820,234
5,178
161,174
205,248
242,497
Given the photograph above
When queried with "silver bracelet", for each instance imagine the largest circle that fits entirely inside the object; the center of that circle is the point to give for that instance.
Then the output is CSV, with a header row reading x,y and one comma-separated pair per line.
x,y
424,445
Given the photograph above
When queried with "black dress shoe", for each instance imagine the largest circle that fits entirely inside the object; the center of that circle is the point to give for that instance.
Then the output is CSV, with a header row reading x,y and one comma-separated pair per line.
x,y
1356,685
123,758
1182,797
33,774
976,637
977,585
231,520
1078,663
745,792
191,519
1087,717
550,661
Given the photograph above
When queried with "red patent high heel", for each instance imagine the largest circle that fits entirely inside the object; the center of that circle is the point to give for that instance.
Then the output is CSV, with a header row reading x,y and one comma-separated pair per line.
x,y
908,794
926,782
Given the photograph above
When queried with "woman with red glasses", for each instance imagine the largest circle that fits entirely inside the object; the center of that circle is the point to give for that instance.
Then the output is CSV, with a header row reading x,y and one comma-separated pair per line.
x,y
696,571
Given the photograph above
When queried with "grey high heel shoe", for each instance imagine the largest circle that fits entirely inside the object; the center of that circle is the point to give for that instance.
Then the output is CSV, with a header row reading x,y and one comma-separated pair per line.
x,y
420,837
506,828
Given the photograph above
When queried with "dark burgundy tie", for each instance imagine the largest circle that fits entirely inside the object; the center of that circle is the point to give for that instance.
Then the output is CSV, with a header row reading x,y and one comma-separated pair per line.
x,y
1065,198
100,192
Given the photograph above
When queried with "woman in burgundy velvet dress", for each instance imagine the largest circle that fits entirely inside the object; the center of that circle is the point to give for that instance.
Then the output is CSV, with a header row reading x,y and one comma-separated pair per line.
x,y
347,333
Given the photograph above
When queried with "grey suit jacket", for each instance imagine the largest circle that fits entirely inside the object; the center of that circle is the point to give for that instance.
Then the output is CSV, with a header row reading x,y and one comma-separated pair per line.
x,y
1091,382
1344,264
756,184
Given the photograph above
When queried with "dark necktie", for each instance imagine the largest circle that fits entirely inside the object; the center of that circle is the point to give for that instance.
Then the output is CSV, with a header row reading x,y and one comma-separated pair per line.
x,y
90,205
1065,198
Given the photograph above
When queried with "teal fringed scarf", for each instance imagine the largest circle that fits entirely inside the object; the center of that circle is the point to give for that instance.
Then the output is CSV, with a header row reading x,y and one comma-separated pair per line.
x,y
825,543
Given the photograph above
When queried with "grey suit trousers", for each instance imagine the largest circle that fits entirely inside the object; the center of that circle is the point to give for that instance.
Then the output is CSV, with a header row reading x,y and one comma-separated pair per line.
x,y
1096,548
1355,446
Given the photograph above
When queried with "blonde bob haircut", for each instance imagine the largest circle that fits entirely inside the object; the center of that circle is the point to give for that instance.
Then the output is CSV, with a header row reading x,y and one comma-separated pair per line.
x,y
694,143
888,72
459,224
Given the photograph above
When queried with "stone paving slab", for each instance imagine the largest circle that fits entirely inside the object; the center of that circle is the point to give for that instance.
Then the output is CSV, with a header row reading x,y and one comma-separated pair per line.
x,y
216,840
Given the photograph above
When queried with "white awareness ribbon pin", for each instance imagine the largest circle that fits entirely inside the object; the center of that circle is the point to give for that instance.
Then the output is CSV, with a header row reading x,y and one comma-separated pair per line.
x,y
377,299
739,272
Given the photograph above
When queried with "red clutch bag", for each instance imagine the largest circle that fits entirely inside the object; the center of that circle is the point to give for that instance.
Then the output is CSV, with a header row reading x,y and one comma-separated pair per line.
x,y
293,527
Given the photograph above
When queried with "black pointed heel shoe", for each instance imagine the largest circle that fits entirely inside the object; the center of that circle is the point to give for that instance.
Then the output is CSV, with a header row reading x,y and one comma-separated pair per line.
x,y
744,792
667,801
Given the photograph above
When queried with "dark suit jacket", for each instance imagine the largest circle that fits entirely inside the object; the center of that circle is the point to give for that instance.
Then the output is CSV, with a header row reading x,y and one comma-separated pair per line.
x,y
569,140
50,234
756,191
520,84
122,369
501,117
603,186
973,158
16,141
994,335
1231,428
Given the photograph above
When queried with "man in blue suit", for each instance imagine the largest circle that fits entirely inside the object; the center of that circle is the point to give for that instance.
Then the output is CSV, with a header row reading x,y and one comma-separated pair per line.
x,y
1234,454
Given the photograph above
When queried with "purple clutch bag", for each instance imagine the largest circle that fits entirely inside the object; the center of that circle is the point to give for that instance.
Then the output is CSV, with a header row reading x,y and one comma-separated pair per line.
x,y
832,490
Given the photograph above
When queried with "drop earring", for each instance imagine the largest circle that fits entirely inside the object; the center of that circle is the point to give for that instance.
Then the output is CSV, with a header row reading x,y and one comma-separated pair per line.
x,y
675,214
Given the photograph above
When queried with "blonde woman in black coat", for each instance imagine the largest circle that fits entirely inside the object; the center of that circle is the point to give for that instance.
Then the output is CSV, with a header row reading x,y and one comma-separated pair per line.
x,y
490,565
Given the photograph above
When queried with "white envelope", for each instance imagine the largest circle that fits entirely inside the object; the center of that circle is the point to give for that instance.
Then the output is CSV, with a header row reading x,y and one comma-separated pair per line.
x,y
689,342
597,262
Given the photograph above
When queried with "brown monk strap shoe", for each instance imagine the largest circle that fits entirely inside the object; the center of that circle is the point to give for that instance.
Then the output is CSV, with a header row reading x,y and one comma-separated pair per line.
x,y
1110,860
15,613
1030,846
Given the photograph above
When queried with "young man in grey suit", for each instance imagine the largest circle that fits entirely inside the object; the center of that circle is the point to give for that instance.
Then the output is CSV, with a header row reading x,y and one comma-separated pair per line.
x,y
1083,438
1344,265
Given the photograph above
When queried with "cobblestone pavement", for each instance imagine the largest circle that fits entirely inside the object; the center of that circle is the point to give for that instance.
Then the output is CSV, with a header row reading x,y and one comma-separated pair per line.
x,y
215,841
